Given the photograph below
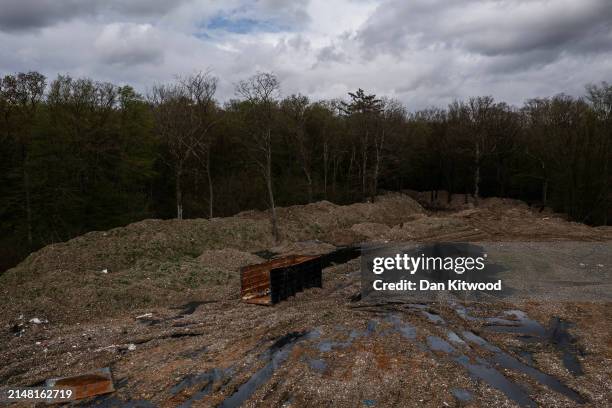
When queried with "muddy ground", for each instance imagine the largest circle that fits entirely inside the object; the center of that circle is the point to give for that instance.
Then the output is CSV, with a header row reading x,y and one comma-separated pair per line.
x,y
194,343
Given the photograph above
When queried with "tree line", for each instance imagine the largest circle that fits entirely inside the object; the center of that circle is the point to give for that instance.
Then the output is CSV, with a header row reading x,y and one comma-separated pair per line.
x,y
78,155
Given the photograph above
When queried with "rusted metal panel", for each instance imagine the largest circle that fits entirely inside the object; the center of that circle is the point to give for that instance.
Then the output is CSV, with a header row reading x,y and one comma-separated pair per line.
x,y
270,282
86,385
273,281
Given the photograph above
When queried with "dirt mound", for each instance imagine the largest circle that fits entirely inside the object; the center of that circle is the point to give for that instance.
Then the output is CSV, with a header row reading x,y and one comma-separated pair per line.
x,y
371,230
310,247
227,259
503,204
441,200
321,219
158,262
430,228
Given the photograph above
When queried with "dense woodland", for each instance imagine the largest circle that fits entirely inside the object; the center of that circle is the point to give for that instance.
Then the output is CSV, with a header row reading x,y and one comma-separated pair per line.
x,y
78,155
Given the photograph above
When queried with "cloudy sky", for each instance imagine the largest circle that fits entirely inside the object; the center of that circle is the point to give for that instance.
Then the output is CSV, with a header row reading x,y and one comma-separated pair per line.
x,y
423,52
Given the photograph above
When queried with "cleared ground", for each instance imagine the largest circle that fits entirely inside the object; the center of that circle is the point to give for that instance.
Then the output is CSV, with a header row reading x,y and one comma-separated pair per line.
x,y
202,347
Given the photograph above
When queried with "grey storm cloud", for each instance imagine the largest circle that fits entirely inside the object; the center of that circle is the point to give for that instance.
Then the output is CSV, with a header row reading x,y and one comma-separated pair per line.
x,y
19,15
488,27
26,14
129,44
330,53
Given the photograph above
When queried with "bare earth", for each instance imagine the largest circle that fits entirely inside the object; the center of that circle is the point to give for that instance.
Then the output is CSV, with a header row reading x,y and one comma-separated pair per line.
x,y
198,345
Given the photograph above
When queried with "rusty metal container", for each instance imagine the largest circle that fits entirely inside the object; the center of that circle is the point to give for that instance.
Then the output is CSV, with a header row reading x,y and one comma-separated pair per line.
x,y
270,282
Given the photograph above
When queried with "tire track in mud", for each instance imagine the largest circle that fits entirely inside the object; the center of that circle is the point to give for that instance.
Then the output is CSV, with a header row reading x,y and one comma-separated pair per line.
x,y
484,369
463,353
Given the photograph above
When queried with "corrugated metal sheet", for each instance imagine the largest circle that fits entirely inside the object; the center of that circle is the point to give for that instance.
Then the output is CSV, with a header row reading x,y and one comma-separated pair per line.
x,y
273,281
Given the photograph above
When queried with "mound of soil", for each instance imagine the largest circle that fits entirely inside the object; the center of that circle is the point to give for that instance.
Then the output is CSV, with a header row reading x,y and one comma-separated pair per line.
x,y
154,263
227,259
161,262
310,247
371,230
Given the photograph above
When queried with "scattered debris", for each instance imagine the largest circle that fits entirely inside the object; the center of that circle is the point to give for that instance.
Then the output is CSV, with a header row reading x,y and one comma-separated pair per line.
x,y
191,307
118,347
17,329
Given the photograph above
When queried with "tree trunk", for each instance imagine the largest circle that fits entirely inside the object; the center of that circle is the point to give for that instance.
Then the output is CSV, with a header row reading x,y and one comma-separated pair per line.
x,y
273,218
210,184
26,185
179,196
477,174
309,180
350,172
500,184
379,150
364,173
544,185
325,166
449,186
335,164
375,180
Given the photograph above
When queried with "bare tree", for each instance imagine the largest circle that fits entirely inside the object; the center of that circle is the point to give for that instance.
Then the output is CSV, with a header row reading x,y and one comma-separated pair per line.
x,y
295,109
322,117
182,112
480,110
391,119
201,88
261,92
